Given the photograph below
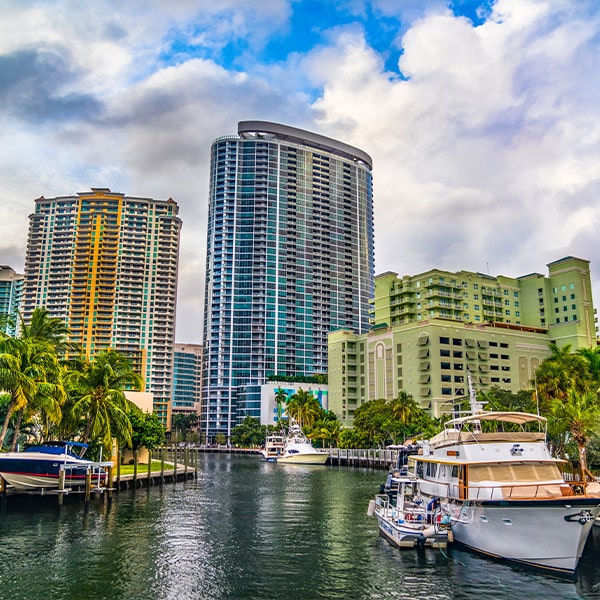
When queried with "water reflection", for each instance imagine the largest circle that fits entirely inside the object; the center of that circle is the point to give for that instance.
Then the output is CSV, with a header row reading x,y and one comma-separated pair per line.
x,y
247,530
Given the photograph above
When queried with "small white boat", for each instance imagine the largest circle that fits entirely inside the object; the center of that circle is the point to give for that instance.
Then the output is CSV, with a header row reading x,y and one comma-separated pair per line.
x,y
297,449
406,520
40,466
274,447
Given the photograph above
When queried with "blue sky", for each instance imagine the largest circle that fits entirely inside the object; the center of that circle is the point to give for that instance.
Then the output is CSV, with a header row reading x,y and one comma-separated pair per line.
x,y
482,118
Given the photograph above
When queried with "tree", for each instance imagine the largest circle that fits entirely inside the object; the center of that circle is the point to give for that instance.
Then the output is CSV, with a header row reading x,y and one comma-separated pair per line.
x,y
281,398
29,372
99,397
327,430
404,408
592,356
183,423
249,433
579,416
43,327
561,372
304,408
147,430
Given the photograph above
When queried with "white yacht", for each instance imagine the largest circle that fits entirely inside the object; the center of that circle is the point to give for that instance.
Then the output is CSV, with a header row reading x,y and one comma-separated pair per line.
x,y
505,494
299,450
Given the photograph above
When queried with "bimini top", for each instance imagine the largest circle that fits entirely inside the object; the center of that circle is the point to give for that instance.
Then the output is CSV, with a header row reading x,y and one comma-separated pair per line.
x,y
467,430
517,418
267,130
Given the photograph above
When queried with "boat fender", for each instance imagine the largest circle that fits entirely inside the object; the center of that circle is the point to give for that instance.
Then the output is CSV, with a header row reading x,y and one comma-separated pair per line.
x,y
371,509
429,531
450,536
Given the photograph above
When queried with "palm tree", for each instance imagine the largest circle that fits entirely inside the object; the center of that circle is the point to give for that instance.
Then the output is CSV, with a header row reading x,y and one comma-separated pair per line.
x,y
592,355
281,398
579,415
99,397
561,372
29,371
303,407
404,407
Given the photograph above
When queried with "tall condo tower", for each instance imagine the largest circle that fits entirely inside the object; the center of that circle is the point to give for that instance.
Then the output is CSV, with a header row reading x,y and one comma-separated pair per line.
x,y
289,258
107,265
11,291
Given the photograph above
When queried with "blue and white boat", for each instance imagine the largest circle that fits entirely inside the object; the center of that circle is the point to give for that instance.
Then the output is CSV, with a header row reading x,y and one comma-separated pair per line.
x,y
40,466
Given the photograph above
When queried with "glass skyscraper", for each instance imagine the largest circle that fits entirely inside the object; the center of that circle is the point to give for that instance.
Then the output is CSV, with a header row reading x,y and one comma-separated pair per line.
x,y
289,258
11,290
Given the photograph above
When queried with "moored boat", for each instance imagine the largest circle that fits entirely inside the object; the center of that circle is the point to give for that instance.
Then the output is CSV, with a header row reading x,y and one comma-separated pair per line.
x,y
504,491
40,466
274,447
297,449
406,520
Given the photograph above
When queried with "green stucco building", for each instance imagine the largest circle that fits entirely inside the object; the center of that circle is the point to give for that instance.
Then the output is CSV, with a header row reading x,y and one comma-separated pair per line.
x,y
429,329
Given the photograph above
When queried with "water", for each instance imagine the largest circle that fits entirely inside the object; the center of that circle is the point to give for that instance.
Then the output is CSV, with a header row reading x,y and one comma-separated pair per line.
x,y
247,530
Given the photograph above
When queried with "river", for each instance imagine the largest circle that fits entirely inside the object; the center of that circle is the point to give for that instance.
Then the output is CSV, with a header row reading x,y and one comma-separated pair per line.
x,y
247,530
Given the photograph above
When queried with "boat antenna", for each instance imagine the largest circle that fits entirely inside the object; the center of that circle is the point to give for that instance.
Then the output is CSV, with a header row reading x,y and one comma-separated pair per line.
x,y
476,406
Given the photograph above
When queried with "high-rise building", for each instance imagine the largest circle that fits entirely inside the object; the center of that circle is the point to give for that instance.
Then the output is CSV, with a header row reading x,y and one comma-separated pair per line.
x,y
11,290
107,265
430,329
187,378
289,258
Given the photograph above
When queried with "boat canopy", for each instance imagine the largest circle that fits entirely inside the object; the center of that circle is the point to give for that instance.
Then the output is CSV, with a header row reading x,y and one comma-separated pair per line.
x,y
56,447
517,418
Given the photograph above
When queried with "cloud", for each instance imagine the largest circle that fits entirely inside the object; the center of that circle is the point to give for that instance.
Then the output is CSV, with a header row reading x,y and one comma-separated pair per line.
x,y
481,153
485,136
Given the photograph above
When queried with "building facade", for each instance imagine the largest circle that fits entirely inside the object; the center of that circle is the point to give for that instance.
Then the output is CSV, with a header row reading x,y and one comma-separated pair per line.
x,y
289,258
187,378
430,329
11,291
107,265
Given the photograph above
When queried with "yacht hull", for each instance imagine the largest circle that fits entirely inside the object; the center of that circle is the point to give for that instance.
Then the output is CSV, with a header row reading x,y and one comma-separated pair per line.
x,y
318,458
543,534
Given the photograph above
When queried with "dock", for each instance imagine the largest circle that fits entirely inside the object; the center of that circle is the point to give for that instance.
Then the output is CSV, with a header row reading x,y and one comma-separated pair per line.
x,y
177,464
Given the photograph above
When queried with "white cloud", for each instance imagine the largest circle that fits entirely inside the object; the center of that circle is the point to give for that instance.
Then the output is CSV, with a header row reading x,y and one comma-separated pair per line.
x,y
480,154
486,156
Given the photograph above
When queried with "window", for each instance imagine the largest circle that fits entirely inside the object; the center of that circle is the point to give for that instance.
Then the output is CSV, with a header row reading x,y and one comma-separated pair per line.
x,y
444,340
444,352
457,341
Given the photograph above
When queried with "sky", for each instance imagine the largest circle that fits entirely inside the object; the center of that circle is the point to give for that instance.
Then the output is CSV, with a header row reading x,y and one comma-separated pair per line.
x,y
482,117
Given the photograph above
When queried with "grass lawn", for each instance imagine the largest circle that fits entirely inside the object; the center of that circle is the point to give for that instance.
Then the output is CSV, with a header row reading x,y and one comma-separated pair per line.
x,y
142,468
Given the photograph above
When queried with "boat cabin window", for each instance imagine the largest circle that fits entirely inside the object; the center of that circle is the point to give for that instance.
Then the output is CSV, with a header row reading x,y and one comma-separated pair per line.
x,y
454,470
514,472
431,469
